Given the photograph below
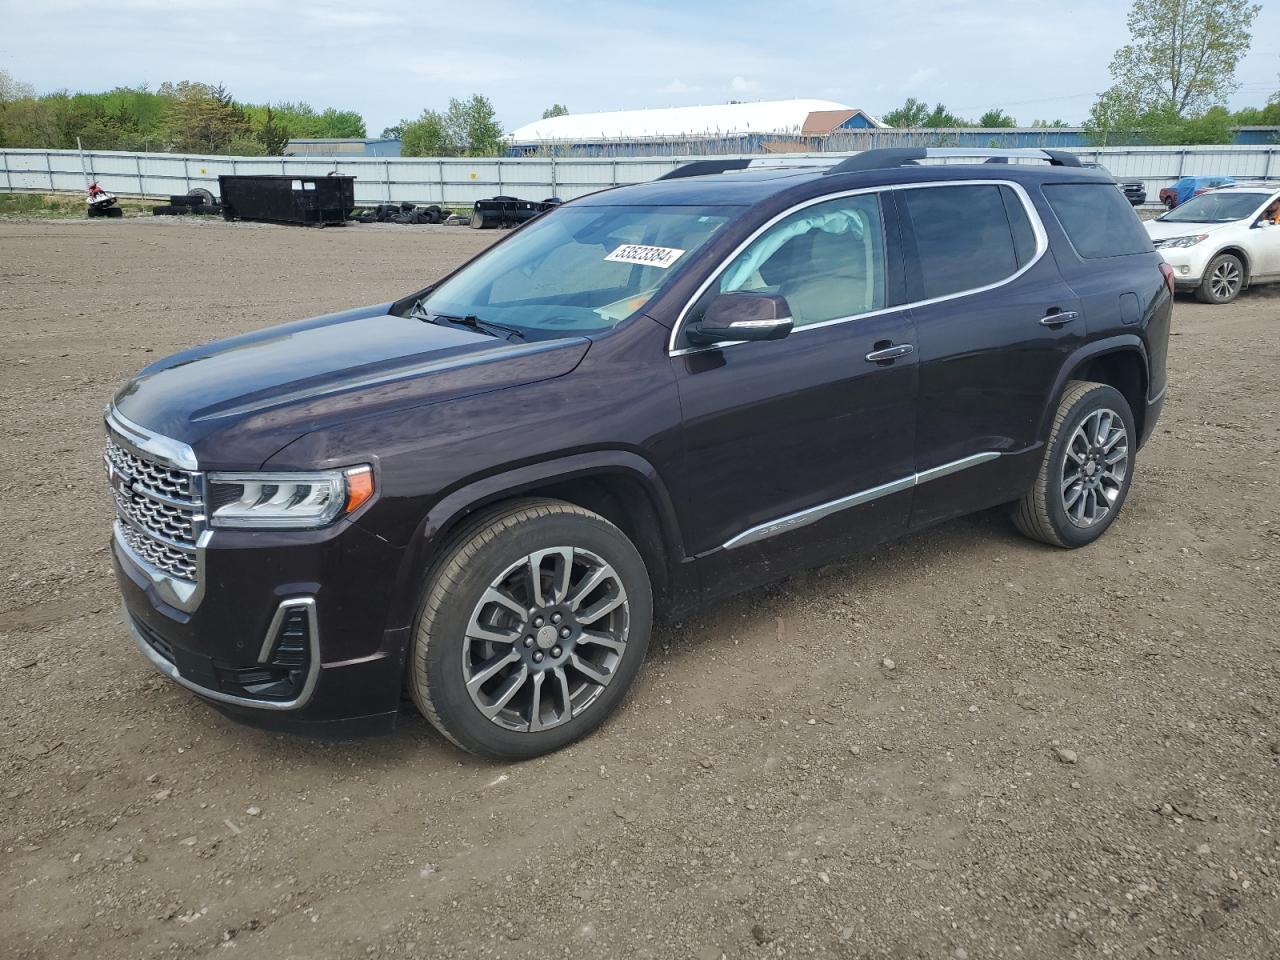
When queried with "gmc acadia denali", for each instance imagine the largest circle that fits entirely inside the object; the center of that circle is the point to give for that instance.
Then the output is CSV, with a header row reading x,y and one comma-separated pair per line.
x,y
653,396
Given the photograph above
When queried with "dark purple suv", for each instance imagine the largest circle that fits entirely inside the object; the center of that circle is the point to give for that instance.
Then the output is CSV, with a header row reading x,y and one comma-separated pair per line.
x,y
651,397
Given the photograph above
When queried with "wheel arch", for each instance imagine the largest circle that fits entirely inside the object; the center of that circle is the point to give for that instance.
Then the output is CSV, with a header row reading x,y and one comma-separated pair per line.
x,y
1240,253
1120,362
622,486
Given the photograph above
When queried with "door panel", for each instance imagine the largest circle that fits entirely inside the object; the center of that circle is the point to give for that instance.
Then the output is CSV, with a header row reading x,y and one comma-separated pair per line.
x,y
775,428
987,360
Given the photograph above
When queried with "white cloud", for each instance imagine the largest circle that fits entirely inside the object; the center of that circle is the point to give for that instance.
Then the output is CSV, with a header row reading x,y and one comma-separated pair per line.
x,y
918,79
743,85
678,86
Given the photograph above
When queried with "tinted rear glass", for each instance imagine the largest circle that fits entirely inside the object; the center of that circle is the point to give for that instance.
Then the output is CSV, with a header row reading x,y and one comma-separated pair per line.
x,y
962,237
1024,237
1098,219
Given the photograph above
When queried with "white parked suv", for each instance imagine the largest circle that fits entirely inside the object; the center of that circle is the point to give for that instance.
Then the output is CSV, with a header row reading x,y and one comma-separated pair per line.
x,y
1222,241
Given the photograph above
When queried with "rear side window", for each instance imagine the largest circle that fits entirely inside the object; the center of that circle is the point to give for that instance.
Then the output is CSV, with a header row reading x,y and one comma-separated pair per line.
x,y
1024,237
962,237
1098,220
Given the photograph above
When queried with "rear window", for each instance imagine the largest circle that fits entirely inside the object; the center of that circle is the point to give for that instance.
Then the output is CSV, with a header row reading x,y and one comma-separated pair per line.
x,y
1098,220
963,237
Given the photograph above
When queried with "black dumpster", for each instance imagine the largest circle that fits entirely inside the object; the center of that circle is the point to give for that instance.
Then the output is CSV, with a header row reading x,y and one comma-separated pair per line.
x,y
314,201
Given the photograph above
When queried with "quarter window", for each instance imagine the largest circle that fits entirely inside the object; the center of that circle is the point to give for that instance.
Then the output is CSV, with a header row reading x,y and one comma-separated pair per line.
x,y
826,260
1098,220
963,237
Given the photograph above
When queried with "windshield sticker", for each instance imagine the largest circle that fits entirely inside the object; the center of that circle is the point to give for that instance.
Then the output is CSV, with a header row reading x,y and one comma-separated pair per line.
x,y
645,256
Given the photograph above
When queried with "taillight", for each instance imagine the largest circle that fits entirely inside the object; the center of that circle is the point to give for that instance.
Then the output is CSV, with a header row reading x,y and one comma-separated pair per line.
x,y
1168,276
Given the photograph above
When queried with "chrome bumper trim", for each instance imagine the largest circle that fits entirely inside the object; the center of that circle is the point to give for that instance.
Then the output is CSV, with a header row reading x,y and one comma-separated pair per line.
x,y
182,594
308,688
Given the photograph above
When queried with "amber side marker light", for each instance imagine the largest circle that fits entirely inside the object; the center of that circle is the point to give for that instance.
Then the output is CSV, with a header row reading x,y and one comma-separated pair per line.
x,y
359,488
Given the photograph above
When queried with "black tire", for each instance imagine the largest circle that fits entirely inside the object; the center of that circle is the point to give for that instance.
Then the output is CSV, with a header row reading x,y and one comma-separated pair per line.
x,y
494,541
1042,514
199,196
96,211
1223,279
167,210
113,212
1170,203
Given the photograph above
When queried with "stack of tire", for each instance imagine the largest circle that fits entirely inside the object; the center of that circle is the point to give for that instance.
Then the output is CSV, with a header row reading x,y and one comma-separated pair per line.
x,y
198,201
407,213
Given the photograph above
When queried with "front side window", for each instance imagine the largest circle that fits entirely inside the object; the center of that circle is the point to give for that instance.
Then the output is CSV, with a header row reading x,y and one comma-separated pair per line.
x,y
826,260
578,269
963,237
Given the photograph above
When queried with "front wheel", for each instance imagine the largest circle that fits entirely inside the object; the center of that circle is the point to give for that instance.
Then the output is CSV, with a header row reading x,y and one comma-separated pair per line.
x,y
534,624
1087,468
1223,279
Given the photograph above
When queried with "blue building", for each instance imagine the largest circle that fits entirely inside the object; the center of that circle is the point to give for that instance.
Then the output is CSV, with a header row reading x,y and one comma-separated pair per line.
x,y
1257,136
341,147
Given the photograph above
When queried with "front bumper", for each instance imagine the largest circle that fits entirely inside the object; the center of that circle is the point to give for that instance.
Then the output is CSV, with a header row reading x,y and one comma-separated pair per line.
x,y
325,592
1188,264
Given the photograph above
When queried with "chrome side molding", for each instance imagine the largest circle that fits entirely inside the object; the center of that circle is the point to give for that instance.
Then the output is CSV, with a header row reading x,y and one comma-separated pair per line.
x,y
803,518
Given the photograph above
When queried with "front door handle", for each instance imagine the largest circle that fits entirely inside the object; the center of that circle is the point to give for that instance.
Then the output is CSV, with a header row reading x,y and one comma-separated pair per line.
x,y
890,354
1059,318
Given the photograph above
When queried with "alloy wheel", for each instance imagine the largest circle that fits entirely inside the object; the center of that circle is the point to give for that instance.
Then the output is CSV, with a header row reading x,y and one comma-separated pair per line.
x,y
1095,467
1225,280
545,639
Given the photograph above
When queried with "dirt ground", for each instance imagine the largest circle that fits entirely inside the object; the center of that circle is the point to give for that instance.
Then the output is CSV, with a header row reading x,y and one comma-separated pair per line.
x,y
1074,754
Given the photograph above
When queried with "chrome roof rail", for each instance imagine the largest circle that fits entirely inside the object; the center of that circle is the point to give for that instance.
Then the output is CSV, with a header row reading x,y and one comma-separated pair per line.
x,y
888,157
703,168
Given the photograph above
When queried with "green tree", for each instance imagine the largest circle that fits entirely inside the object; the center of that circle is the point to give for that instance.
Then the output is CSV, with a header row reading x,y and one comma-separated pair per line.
x,y
395,131
341,123
1182,54
473,127
996,118
913,113
940,116
555,110
271,135
202,118
1048,123
245,147
427,136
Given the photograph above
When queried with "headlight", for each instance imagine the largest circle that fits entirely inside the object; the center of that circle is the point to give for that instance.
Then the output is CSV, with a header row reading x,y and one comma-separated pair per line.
x,y
287,500
1180,241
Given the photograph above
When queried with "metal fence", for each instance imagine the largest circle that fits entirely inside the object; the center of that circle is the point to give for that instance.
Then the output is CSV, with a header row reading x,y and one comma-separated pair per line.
x,y
459,181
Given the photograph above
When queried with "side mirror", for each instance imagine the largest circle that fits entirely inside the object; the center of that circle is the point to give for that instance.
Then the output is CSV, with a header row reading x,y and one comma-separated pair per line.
x,y
742,316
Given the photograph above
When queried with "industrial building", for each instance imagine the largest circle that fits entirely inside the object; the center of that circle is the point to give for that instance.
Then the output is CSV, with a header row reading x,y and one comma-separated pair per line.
x,y
343,147
760,127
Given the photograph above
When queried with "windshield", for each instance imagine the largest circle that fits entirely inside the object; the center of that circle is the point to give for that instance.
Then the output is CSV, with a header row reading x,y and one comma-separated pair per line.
x,y
578,270
1216,208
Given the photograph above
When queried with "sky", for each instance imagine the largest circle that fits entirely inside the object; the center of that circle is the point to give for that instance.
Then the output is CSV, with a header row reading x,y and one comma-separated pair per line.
x,y
390,59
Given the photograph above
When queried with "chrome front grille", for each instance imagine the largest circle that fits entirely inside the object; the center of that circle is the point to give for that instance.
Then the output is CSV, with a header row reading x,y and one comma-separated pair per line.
x,y
159,511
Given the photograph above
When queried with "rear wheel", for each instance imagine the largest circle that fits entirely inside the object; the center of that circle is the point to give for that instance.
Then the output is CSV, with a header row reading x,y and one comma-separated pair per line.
x,y
1087,468
1223,279
533,626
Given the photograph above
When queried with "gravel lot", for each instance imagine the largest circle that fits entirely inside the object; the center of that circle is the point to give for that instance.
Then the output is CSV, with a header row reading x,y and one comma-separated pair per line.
x,y
1065,754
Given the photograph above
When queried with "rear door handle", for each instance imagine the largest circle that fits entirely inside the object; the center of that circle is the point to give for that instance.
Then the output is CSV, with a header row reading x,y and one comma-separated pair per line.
x,y
1059,318
890,353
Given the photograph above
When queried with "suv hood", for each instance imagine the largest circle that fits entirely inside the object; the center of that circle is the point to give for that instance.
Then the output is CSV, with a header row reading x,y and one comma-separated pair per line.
x,y
1161,230
238,401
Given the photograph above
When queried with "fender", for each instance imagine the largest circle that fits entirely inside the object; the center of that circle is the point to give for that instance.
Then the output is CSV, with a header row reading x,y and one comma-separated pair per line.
x,y
1081,356
447,512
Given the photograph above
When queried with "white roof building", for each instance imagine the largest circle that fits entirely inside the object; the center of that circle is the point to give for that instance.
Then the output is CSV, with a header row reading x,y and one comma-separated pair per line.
x,y
765,117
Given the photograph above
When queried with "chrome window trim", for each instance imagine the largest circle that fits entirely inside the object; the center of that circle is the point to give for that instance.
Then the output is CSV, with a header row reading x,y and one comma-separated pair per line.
x,y
1037,227
308,686
802,518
